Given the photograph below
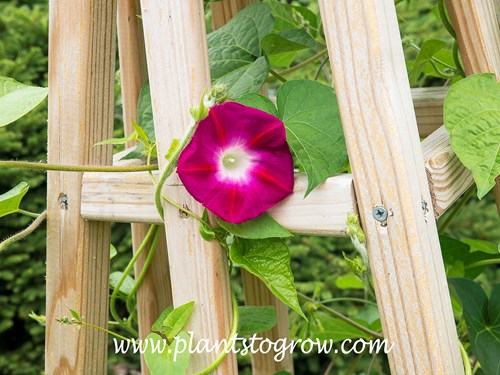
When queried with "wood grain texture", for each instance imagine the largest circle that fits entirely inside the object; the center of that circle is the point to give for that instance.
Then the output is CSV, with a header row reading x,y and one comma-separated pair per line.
x,y
428,104
386,159
111,197
477,24
177,56
81,104
256,292
132,55
154,294
128,197
223,11
322,213
447,176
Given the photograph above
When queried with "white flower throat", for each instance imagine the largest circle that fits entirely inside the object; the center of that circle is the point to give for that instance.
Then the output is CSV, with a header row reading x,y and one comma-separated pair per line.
x,y
235,164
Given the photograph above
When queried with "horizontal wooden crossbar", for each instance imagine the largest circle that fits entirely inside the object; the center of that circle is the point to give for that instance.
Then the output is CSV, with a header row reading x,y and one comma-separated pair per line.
x,y
428,104
128,197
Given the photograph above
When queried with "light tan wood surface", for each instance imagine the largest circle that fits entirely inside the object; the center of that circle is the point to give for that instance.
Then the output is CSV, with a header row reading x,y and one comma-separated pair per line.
x,y
128,197
256,292
177,56
154,294
428,104
132,55
81,104
223,11
477,24
386,158
448,178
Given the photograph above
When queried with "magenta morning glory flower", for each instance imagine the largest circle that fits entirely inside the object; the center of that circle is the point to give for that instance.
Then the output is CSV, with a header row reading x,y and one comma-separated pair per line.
x,y
238,164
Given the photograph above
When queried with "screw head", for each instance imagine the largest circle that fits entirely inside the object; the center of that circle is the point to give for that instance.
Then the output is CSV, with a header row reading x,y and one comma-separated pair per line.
x,y
424,206
380,214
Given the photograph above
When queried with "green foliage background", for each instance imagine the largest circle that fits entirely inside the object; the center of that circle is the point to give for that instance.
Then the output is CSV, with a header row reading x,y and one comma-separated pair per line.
x,y
316,262
23,56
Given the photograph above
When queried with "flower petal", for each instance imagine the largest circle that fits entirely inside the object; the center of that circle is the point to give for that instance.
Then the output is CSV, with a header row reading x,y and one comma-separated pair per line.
x,y
263,171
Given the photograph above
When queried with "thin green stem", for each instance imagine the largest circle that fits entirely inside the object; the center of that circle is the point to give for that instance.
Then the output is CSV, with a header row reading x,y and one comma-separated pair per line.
x,y
377,365
372,363
277,75
126,272
476,367
152,178
318,72
28,213
441,73
445,20
465,359
175,204
184,209
148,159
329,368
348,299
433,58
148,162
230,341
340,316
458,207
104,330
456,58
353,364
300,65
147,263
486,262
25,232
169,168
74,168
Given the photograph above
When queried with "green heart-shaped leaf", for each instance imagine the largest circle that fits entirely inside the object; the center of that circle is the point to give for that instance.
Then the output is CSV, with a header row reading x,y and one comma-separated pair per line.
x,y
235,53
263,226
9,202
310,112
17,99
472,117
483,321
255,319
269,260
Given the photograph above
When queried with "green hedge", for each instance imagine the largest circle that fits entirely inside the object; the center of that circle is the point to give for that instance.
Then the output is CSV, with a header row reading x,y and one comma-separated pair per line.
x,y
23,56
316,262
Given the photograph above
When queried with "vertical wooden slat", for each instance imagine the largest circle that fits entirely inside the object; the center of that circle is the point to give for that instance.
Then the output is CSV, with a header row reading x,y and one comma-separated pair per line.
x,y
256,292
223,11
178,68
386,159
478,32
133,68
154,294
81,83
477,25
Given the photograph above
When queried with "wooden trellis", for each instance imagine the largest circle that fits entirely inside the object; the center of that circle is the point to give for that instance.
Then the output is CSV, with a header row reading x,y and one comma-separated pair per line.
x,y
390,168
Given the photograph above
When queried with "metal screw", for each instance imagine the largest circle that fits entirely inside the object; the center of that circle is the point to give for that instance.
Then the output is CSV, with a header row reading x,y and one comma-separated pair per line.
x,y
184,214
424,206
380,214
62,199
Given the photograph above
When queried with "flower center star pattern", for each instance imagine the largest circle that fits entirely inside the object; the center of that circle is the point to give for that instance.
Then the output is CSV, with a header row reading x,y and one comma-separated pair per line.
x,y
238,164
